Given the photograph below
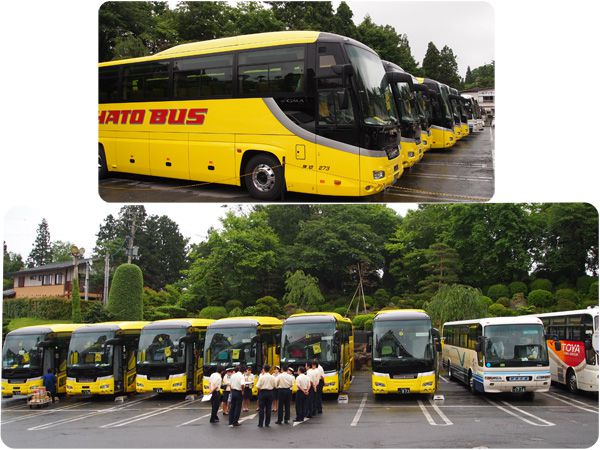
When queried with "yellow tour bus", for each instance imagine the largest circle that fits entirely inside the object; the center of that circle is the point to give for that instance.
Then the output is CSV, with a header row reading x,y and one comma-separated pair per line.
x,y
442,120
251,341
302,111
422,105
455,107
169,356
324,336
464,119
410,124
404,353
102,357
29,352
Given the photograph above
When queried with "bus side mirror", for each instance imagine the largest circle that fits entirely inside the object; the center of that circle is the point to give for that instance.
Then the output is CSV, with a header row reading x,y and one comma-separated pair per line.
x,y
343,70
370,342
587,343
479,345
557,346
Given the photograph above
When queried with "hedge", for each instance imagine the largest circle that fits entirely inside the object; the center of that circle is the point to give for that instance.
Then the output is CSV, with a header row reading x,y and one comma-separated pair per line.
x,y
541,283
517,287
541,298
125,296
213,312
567,294
49,308
498,290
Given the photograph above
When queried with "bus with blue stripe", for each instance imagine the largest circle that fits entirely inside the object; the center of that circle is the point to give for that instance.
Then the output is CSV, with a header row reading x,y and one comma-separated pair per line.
x,y
499,354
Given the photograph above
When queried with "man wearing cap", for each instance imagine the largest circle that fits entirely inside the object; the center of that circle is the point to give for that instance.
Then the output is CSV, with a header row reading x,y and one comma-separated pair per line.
x,y
237,384
215,381
303,385
285,381
265,385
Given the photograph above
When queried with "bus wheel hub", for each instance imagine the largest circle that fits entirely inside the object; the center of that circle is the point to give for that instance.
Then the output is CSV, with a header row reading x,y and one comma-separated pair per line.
x,y
263,177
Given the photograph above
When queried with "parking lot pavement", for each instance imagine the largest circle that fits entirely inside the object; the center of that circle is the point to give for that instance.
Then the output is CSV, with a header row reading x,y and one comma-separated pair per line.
x,y
463,173
557,419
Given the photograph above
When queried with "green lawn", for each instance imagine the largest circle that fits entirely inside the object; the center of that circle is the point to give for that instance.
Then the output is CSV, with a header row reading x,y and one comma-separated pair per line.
x,y
28,321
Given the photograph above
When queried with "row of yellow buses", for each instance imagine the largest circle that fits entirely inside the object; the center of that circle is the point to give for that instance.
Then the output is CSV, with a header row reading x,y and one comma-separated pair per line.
x,y
172,355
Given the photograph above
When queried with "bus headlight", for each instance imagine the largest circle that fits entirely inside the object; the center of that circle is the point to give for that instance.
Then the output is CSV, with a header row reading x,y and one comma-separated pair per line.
x,y
411,154
139,384
378,384
378,174
429,383
177,384
105,386
542,377
331,383
488,378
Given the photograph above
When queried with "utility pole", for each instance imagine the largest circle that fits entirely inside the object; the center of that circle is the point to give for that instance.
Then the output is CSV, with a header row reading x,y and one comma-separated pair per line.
x,y
106,275
131,237
87,281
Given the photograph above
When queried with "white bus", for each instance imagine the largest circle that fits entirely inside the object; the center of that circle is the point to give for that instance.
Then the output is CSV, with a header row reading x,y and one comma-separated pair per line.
x,y
500,354
574,353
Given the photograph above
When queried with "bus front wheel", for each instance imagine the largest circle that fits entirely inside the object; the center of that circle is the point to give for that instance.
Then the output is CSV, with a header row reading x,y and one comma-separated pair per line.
x,y
263,177
572,381
102,166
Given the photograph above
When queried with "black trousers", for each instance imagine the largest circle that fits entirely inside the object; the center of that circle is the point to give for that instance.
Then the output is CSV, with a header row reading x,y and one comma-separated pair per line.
x,y
265,401
215,402
300,405
309,409
236,406
285,397
320,396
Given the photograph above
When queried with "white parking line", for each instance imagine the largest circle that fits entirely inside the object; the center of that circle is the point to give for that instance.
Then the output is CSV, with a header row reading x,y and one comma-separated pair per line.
x,y
440,413
547,423
426,413
573,400
444,379
251,416
45,426
594,411
359,411
193,420
429,417
43,413
127,421
518,416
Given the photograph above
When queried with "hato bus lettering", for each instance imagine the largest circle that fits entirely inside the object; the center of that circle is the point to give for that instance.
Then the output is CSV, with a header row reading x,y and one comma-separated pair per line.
x,y
181,116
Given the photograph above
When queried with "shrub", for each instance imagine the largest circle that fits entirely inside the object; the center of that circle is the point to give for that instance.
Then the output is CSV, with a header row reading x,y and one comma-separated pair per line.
x,y
567,294
381,298
565,305
359,320
517,287
498,290
75,302
96,313
505,301
583,284
341,310
589,302
172,311
250,311
368,301
368,325
49,308
232,304
191,302
236,312
486,301
213,312
593,291
498,310
525,310
125,297
405,304
153,314
541,283
540,298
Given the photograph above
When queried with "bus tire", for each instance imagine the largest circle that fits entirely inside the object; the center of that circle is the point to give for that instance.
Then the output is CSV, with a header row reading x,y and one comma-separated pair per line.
x,y
263,177
102,166
471,384
572,381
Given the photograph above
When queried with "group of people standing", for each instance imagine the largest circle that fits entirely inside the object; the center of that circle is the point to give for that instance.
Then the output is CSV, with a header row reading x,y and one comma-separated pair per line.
x,y
274,393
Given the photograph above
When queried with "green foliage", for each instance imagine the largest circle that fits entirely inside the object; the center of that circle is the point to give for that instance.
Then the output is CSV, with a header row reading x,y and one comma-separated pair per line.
x,y
236,312
213,312
302,290
341,310
486,301
41,253
250,311
232,304
96,313
593,291
541,283
405,304
75,302
499,310
583,284
541,298
368,324
46,308
517,287
125,296
589,302
381,298
525,310
359,320
61,251
566,294
268,306
504,301
172,311
14,324
456,302
496,291
441,265
481,77
565,305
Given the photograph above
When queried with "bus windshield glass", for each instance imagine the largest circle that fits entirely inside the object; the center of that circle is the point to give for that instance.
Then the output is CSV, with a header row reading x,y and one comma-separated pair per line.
x,y
374,92
88,350
445,103
22,352
406,108
161,346
514,345
402,340
227,346
303,342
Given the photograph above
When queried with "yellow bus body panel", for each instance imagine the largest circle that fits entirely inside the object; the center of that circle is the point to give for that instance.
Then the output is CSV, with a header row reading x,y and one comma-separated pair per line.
x,y
26,388
387,385
103,386
464,129
175,385
442,138
426,140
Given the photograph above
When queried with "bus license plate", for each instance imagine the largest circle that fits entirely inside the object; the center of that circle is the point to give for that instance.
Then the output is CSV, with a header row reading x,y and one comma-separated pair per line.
x,y
518,389
158,390
17,392
404,390
86,392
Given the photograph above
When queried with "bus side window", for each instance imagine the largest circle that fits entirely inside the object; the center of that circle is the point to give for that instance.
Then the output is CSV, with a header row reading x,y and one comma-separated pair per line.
x,y
146,81
203,77
109,85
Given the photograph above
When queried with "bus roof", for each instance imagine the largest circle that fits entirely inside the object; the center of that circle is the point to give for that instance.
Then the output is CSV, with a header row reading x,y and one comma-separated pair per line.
x,y
498,321
593,311
243,42
316,317
179,323
50,328
246,321
401,314
130,325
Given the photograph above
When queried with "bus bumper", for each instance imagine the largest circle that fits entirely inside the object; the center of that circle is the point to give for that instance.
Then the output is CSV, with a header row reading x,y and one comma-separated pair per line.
x,y
496,383
465,129
102,386
442,138
412,154
25,388
176,384
426,140
424,383
331,383
379,173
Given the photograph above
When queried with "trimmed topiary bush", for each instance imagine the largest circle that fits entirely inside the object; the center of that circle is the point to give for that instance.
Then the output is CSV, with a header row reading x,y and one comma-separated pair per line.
x,y
498,310
213,312
498,290
236,312
368,325
125,296
341,310
231,304
540,298
505,301
566,294
541,283
517,287
359,320
565,305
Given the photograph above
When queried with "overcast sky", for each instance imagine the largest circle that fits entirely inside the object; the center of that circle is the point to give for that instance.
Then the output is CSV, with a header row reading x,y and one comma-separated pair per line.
x,y
194,220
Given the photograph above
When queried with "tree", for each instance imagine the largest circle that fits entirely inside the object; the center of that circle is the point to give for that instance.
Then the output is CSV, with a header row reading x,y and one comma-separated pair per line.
x,y
41,254
13,262
75,302
268,306
480,77
61,251
448,70
432,62
302,290
125,296
455,302
441,265
468,76
342,21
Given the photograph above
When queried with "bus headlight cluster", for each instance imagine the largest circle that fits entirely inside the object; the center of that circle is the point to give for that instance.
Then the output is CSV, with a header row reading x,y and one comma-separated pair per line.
x,y
542,377
139,384
429,383
379,384
331,383
489,378
411,154
105,386
177,384
378,174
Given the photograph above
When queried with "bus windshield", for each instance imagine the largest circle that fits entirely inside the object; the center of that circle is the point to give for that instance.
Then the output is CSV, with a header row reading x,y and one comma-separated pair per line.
x,y
374,92
407,111
303,342
445,102
88,350
230,346
514,345
22,352
402,340
161,346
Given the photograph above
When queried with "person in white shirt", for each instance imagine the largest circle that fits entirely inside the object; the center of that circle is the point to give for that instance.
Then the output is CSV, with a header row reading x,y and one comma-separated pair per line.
x,y
320,387
276,372
266,385
237,383
215,389
248,384
303,386
226,389
311,404
285,382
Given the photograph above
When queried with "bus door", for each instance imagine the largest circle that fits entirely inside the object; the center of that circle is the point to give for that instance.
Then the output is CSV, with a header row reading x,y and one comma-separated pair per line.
x,y
118,367
187,346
